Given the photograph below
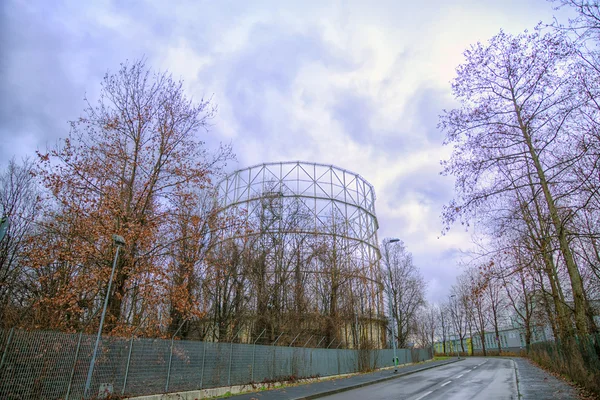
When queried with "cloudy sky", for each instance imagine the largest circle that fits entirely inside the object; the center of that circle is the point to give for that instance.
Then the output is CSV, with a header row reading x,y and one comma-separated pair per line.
x,y
356,84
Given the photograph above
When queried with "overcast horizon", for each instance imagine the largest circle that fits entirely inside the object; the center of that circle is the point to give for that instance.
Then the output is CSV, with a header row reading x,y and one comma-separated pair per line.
x,y
353,85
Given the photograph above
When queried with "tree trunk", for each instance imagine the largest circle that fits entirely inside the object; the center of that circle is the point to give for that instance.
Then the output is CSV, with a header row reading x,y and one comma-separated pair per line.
x,y
581,308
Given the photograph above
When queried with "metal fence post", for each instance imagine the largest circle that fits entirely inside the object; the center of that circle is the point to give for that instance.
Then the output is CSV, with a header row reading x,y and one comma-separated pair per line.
x,y
307,341
304,355
88,382
345,361
254,354
275,356
5,352
129,355
127,367
273,368
293,359
231,356
203,359
171,356
338,360
294,340
321,341
74,365
311,355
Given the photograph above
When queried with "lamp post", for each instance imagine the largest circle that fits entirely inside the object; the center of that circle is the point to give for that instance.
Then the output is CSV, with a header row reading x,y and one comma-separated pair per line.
x,y
3,226
119,241
454,316
389,285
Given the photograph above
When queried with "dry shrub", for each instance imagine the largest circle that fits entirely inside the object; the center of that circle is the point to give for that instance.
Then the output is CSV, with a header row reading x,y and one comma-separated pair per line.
x,y
368,356
576,359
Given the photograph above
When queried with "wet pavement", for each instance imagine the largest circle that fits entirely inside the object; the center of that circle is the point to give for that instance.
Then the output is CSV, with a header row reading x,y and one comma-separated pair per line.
x,y
475,378
535,383
336,385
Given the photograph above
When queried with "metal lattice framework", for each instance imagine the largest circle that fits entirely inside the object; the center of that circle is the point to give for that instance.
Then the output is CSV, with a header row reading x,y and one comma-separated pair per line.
x,y
320,202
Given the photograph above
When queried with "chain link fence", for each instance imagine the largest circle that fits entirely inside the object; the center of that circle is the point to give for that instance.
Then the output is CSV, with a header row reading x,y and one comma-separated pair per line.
x,y
578,358
53,365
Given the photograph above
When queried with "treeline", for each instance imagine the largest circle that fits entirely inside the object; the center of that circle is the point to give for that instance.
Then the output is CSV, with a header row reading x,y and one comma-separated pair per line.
x,y
525,141
526,147
135,165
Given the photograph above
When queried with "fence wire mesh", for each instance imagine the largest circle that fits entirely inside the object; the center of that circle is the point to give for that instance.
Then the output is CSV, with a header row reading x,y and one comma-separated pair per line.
x,y
53,365
578,358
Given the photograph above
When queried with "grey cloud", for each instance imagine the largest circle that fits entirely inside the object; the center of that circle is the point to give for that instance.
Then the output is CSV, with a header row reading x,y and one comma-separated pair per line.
x,y
52,53
354,112
52,56
270,64
426,105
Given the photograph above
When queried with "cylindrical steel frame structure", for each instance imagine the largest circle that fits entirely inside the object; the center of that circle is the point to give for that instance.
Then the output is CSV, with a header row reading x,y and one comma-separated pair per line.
x,y
324,190
320,206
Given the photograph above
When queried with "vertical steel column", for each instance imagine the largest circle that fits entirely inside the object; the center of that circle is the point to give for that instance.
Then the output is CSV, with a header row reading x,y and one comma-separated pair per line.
x,y
254,354
203,360
10,336
231,356
171,355
393,323
74,365
274,356
127,367
88,382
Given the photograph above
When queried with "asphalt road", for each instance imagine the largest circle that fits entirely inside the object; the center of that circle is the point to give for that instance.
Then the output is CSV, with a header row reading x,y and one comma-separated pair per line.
x,y
473,378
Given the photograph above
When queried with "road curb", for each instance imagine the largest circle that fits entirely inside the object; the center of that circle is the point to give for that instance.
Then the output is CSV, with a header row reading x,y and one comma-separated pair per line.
x,y
517,383
363,384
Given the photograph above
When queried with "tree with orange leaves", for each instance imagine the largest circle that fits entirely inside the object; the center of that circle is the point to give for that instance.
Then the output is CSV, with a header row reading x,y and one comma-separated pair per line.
x,y
134,165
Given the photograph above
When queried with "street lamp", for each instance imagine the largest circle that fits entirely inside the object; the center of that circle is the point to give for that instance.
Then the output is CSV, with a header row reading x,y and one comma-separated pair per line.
x,y
119,241
454,317
392,321
3,226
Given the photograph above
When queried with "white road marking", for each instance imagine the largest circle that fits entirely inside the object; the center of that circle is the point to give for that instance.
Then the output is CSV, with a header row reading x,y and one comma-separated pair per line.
x,y
425,394
444,384
460,375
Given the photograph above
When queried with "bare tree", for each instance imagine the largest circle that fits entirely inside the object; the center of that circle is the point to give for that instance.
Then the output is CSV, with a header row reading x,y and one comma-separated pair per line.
x,y
510,133
125,167
459,316
426,326
407,288
19,200
444,324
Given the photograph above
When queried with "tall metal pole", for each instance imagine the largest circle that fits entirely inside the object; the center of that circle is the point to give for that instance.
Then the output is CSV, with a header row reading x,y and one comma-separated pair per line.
x,y
129,356
254,354
455,317
294,339
393,323
171,356
119,241
74,365
3,226
392,320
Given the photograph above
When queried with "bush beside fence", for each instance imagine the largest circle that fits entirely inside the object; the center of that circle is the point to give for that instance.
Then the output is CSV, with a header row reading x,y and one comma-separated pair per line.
x,y
54,365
